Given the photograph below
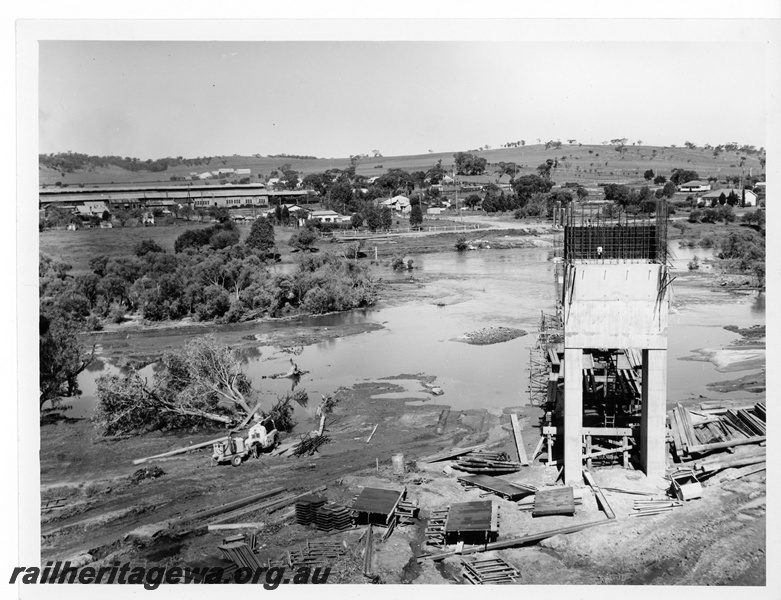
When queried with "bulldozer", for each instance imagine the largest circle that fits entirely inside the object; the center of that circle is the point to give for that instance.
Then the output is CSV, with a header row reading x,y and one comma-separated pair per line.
x,y
263,437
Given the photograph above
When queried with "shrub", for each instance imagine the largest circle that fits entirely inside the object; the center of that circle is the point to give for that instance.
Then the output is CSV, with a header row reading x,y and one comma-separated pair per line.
x,y
695,215
461,244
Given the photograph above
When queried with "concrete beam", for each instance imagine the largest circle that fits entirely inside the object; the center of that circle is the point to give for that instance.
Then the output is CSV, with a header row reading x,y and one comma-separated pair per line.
x,y
573,415
652,419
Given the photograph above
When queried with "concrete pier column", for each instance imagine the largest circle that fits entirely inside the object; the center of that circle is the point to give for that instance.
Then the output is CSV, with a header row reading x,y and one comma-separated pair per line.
x,y
652,429
573,415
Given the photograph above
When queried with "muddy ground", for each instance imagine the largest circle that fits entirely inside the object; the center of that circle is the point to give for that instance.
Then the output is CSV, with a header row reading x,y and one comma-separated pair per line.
x,y
718,539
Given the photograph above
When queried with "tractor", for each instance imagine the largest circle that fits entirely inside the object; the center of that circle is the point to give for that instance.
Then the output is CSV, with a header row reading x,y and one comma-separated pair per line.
x,y
263,437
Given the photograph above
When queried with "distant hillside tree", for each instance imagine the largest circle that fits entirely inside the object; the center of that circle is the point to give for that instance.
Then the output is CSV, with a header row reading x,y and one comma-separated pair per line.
x,y
648,175
469,164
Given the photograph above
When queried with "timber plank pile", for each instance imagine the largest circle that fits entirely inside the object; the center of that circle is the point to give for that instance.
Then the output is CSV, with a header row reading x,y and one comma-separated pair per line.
x,y
240,554
644,508
489,571
406,512
331,517
307,507
487,463
554,501
435,528
314,553
705,430
495,485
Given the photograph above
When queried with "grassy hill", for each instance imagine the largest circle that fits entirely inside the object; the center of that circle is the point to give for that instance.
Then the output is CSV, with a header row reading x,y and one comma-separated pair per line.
x,y
586,164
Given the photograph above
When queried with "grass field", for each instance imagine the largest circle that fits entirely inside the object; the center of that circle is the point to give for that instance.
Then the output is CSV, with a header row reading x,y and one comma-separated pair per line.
x,y
583,164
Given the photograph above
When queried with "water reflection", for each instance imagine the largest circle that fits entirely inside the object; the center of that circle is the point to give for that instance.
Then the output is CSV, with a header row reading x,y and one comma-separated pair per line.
x,y
481,289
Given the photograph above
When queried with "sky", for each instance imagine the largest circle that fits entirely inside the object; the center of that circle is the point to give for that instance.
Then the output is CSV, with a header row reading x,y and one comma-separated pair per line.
x,y
151,99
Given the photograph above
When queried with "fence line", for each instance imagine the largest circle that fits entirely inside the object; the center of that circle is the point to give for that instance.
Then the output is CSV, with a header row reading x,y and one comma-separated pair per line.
x,y
382,232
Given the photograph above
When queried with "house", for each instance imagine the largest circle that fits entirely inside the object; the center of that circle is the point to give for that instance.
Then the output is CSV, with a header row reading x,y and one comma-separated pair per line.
x,y
694,186
243,171
447,180
225,171
399,204
206,175
707,199
91,208
325,216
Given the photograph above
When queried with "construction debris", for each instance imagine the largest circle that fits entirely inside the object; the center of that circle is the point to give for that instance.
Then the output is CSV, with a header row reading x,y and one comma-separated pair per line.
x,y
697,432
152,472
309,445
487,463
644,508
521,541
367,553
519,440
685,485
492,570
452,453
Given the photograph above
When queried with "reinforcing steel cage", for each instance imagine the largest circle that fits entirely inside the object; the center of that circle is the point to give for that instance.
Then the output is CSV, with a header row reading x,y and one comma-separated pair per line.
x,y
590,236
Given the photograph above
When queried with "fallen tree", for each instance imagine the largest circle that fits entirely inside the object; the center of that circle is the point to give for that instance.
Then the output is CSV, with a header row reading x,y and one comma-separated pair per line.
x,y
202,384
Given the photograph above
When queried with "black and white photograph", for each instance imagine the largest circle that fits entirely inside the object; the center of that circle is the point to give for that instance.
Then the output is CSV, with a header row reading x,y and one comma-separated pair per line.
x,y
469,302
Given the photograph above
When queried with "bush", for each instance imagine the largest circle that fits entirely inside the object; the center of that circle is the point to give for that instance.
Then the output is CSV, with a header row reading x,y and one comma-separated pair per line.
x,y
694,264
695,215
461,244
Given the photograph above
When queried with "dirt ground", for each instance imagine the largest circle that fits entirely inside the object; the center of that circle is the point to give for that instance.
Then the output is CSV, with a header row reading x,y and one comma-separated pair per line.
x,y
719,539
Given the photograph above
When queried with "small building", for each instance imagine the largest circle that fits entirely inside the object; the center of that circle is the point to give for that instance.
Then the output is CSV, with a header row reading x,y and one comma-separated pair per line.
x,y
325,216
91,208
694,186
399,204
206,175
243,171
225,171
707,199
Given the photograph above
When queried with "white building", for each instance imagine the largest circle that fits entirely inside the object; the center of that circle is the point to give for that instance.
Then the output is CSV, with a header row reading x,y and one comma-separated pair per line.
x,y
325,216
707,199
694,186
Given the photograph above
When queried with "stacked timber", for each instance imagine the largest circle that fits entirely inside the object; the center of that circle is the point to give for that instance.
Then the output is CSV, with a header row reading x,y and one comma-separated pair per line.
x,y
333,518
700,431
307,507
644,508
406,512
240,554
314,553
435,528
487,463
489,571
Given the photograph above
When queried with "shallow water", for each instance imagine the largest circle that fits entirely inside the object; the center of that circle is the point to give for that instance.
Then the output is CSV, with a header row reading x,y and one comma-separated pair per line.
x,y
478,289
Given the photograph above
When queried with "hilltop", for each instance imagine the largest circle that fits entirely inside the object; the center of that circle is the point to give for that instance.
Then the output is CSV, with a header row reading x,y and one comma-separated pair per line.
x,y
584,164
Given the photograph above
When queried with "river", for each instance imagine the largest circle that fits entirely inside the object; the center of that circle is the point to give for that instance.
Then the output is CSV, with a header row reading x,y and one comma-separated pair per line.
x,y
470,291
